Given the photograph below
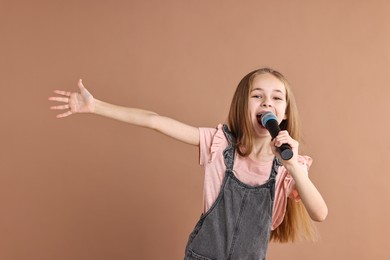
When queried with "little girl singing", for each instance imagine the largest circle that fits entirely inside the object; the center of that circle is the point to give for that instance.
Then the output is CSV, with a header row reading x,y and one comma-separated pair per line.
x,y
251,195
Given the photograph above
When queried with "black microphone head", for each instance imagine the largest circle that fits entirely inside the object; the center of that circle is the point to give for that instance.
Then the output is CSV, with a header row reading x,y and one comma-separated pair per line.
x,y
266,116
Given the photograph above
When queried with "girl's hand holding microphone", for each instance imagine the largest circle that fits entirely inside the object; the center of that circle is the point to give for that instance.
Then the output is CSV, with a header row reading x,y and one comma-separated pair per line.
x,y
283,137
75,102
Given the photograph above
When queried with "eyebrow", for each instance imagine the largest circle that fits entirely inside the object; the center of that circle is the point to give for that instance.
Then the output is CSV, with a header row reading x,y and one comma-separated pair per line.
x,y
275,90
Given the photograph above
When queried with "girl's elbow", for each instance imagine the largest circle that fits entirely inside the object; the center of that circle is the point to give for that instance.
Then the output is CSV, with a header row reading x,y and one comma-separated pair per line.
x,y
320,216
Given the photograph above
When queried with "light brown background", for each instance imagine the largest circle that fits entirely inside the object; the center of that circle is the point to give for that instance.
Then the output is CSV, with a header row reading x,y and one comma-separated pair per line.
x,y
87,187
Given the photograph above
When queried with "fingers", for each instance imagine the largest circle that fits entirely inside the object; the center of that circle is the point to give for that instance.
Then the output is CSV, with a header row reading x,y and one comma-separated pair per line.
x,y
64,114
64,93
284,138
59,99
65,99
62,107
81,86
280,141
83,90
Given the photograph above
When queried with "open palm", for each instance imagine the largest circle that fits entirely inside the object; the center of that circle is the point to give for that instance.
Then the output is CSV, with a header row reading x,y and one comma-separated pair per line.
x,y
76,102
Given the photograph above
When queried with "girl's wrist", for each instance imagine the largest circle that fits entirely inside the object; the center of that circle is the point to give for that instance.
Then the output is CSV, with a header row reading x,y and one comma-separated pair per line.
x,y
292,166
96,107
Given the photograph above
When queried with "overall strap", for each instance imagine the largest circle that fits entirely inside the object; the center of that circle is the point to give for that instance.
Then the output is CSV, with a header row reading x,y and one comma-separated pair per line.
x,y
275,166
229,152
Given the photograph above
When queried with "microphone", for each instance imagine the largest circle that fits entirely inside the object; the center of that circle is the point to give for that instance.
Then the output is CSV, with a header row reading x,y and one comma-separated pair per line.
x,y
270,122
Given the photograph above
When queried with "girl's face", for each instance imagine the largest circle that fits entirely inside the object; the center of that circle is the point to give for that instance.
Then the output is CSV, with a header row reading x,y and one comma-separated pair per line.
x,y
267,93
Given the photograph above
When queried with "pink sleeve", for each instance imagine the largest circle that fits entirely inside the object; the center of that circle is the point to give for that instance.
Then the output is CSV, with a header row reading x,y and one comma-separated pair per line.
x,y
285,188
211,141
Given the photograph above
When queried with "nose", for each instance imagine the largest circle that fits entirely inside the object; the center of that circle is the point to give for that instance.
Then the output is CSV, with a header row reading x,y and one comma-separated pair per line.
x,y
266,103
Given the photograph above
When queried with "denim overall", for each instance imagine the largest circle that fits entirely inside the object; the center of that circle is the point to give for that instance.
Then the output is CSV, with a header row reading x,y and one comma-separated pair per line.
x,y
238,224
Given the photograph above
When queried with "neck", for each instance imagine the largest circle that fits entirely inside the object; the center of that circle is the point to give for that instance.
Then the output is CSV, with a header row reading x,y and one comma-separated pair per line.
x,y
261,149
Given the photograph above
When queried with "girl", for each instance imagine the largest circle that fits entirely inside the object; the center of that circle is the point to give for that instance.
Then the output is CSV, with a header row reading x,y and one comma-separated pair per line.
x,y
251,194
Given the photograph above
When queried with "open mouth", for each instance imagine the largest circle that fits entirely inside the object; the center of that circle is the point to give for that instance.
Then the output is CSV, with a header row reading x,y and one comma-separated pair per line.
x,y
258,117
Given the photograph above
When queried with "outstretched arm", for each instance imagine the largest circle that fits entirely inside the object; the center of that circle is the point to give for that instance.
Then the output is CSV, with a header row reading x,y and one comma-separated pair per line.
x,y
84,102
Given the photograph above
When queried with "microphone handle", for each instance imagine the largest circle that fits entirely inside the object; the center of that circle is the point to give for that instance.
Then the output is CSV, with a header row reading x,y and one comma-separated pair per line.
x,y
285,151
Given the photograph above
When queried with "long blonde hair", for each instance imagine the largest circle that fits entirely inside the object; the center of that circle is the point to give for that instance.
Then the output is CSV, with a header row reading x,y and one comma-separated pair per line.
x,y
296,224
